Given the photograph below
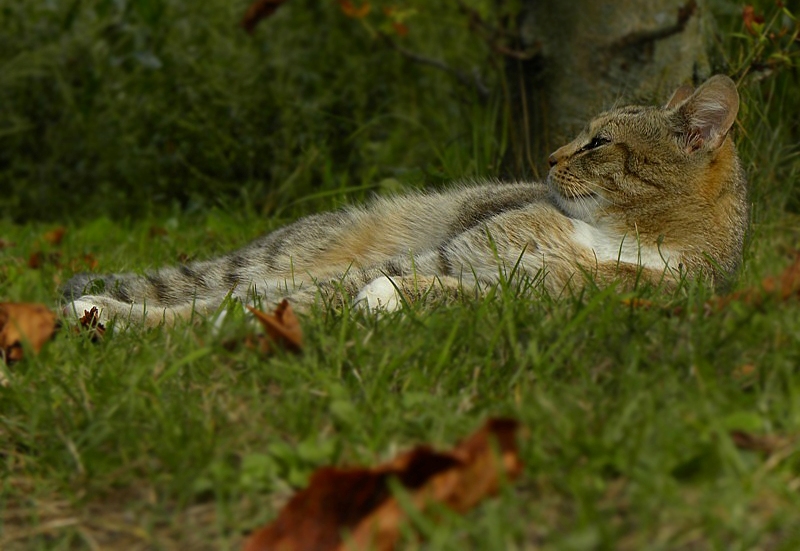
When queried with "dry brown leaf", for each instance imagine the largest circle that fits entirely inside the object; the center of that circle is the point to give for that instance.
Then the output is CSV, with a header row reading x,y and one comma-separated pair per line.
x,y
353,11
35,260
54,237
156,231
359,501
83,263
639,303
782,287
282,327
39,259
22,322
786,285
258,10
400,28
90,321
746,374
749,17
766,443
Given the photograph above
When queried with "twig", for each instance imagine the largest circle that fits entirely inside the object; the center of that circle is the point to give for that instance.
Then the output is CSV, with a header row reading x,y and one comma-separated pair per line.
x,y
258,10
521,55
471,82
638,38
492,35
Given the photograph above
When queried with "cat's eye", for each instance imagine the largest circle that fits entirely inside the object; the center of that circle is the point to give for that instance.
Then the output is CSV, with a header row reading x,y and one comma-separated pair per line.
x,y
596,142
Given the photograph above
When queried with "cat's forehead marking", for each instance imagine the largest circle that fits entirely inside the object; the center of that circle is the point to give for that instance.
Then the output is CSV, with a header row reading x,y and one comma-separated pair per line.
x,y
600,122
632,110
621,117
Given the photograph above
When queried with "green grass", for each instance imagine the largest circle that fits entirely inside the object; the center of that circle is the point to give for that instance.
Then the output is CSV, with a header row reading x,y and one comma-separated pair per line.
x,y
183,438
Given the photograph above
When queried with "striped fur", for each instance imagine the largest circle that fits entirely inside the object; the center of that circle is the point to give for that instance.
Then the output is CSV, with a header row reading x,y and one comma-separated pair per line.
x,y
643,193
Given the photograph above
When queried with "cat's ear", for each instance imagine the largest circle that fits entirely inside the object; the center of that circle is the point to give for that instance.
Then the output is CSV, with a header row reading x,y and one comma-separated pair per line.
x,y
709,113
683,92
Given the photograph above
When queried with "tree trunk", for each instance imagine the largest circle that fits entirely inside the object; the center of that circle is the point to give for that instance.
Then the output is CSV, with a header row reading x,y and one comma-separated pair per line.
x,y
593,54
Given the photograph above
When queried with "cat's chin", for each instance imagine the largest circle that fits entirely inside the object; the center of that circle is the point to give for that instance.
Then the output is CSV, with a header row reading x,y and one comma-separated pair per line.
x,y
583,208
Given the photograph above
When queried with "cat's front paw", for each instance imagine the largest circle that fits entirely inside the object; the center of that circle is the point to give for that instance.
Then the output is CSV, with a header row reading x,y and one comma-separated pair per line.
x,y
380,294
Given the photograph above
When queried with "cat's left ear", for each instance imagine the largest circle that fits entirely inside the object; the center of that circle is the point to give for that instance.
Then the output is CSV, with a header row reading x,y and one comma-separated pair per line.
x,y
683,92
709,113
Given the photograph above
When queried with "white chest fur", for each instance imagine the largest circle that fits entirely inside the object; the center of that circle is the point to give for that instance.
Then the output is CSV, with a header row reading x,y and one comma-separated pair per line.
x,y
614,247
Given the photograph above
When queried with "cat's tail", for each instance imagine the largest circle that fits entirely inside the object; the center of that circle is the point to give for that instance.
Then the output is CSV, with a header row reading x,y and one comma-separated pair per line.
x,y
166,287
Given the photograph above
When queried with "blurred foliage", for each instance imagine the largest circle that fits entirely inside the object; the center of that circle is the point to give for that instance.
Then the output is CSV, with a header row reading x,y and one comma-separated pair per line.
x,y
759,47
125,106
131,107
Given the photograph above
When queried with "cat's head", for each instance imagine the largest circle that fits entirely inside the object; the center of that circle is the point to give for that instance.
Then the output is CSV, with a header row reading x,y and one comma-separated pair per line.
x,y
654,170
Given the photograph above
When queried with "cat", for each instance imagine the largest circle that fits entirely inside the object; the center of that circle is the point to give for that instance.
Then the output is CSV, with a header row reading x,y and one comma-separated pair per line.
x,y
642,195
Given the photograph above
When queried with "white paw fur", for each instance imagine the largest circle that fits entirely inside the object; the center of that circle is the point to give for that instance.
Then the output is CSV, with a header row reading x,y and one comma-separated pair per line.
x,y
380,294
78,309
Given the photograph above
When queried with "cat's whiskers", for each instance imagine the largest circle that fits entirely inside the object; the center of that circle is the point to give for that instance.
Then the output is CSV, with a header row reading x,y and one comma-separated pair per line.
x,y
585,192
592,186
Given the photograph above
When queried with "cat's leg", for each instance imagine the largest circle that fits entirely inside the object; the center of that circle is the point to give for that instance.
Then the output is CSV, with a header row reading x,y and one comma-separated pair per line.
x,y
629,277
384,293
388,294
506,244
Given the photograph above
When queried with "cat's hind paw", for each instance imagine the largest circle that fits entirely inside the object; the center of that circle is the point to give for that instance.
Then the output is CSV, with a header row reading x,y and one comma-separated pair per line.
x,y
380,294
81,307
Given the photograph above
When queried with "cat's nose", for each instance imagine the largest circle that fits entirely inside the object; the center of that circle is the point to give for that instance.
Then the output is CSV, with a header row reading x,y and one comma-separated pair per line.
x,y
560,153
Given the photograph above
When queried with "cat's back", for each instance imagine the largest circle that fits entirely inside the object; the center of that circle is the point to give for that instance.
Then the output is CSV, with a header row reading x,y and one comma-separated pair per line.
x,y
452,210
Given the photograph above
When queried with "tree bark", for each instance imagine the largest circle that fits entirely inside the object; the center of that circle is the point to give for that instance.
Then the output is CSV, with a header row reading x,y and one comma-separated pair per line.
x,y
593,54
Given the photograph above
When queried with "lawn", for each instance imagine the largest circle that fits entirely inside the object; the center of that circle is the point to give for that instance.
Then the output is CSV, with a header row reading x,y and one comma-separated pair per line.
x,y
647,425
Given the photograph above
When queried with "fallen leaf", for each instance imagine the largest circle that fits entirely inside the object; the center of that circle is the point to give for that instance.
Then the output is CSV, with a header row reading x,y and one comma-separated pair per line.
x,y
749,17
282,327
746,372
37,259
359,502
156,231
23,322
81,264
251,342
258,10
782,287
639,303
766,443
787,284
400,28
90,321
6,244
54,237
350,9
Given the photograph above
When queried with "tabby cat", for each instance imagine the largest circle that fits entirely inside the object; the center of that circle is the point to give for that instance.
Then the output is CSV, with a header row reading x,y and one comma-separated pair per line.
x,y
649,194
